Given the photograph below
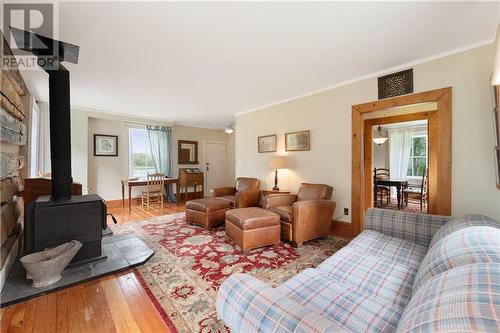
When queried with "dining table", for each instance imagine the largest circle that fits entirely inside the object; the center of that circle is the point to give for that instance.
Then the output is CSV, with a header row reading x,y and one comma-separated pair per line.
x,y
140,182
399,184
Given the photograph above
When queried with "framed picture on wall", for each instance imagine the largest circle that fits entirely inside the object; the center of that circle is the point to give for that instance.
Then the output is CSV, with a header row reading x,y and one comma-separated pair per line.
x,y
297,141
105,145
267,143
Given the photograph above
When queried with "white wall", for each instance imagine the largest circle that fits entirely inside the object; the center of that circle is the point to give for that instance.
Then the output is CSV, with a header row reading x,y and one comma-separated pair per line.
x,y
106,172
328,116
79,147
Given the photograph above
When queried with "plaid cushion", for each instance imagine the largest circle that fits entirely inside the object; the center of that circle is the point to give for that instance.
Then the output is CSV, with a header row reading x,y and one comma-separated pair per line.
x,y
463,299
463,222
246,304
370,274
416,228
341,302
466,246
387,247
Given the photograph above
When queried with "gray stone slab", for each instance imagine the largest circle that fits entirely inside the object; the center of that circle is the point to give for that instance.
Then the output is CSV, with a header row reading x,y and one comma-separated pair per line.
x,y
120,253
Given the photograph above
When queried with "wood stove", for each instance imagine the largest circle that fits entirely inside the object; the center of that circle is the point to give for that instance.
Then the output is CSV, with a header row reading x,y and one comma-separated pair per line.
x,y
60,217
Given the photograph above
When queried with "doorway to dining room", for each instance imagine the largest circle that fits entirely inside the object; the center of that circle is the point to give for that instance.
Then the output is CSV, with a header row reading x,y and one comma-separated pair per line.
x,y
400,165
435,107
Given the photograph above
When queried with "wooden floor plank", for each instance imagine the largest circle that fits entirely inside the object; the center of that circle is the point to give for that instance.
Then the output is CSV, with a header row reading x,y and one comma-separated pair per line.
x,y
29,316
101,320
62,311
74,312
121,313
7,318
16,324
51,314
145,315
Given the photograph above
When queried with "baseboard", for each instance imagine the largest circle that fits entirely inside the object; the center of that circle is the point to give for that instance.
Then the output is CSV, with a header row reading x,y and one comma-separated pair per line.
x,y
342,229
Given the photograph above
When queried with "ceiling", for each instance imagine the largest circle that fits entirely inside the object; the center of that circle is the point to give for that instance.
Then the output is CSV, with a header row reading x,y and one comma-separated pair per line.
x,y
202,63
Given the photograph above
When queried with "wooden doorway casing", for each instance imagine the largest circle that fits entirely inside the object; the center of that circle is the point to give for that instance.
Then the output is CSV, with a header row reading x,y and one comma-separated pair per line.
x,y
439,136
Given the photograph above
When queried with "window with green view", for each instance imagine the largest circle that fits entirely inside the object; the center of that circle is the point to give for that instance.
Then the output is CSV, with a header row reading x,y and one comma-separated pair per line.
x,y
140,160
418,156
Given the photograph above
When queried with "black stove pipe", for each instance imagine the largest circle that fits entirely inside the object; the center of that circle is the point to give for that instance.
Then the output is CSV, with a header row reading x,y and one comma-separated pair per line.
x,y
60,132
50,53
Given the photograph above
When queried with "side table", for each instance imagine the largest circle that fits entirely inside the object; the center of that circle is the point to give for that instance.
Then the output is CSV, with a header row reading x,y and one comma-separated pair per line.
x,y
267,192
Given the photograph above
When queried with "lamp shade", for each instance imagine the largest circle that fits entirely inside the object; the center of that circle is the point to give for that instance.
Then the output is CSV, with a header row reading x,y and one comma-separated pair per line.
x,y
278,162
379,140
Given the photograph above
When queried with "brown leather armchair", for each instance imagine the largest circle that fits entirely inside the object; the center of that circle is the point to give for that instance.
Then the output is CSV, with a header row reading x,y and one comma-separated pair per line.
x,y
245,193
304,216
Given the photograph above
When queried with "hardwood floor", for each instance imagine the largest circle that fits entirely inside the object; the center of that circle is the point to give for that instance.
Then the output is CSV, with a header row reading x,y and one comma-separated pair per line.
x,y
115,303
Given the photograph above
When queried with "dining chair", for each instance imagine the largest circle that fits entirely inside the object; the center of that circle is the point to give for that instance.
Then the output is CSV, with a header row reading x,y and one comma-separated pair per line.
x,y
380,190
418,194
154,191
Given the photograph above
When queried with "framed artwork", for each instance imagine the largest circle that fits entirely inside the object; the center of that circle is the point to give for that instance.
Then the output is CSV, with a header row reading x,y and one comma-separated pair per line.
x,y
267,143
105,145
187,152
297,141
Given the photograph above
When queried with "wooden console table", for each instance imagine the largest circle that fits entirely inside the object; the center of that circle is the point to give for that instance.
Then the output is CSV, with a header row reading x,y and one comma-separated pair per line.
x,y
271,192
140,182
267,192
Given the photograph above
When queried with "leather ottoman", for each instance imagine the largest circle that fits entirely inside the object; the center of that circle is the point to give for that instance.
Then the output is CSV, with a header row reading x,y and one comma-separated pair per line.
x,y
253,227
207,212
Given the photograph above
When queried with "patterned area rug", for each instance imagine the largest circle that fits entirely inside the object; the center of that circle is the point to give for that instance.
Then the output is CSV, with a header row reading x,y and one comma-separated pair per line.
x,y
190,264
411,207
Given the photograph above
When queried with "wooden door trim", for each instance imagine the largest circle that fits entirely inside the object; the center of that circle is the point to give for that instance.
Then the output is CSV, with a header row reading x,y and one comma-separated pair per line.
x,y
439,133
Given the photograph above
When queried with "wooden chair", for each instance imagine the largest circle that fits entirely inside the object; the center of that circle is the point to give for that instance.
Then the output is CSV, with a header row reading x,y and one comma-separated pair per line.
x,y
381,191
154,192
418,193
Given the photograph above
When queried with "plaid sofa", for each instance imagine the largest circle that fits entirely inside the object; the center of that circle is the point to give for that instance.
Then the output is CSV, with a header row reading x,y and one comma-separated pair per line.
x,y
404,273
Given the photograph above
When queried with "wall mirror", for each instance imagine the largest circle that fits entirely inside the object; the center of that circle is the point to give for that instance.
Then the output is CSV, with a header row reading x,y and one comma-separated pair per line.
x,y
188,152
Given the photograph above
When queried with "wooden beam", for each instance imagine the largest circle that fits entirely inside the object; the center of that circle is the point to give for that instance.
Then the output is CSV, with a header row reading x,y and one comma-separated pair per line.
x,y
13,131
424,97
356,166
10,100
10,163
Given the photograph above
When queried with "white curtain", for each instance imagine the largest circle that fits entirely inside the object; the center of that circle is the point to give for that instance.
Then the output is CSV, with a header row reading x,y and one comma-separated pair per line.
x,y
399,153
43,160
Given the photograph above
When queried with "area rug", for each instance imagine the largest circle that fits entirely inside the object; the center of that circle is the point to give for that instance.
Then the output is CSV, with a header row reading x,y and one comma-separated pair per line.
x,y
190,264
412,207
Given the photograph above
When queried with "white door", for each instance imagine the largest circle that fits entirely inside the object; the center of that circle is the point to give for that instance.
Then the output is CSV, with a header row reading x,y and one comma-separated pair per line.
x,y
215,165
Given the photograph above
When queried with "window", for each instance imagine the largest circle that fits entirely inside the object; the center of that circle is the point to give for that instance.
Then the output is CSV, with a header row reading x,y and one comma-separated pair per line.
x,y
35,134
418,156
140,160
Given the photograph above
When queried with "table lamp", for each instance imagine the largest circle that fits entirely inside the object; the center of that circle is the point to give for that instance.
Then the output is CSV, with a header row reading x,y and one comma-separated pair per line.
x,y
278,162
